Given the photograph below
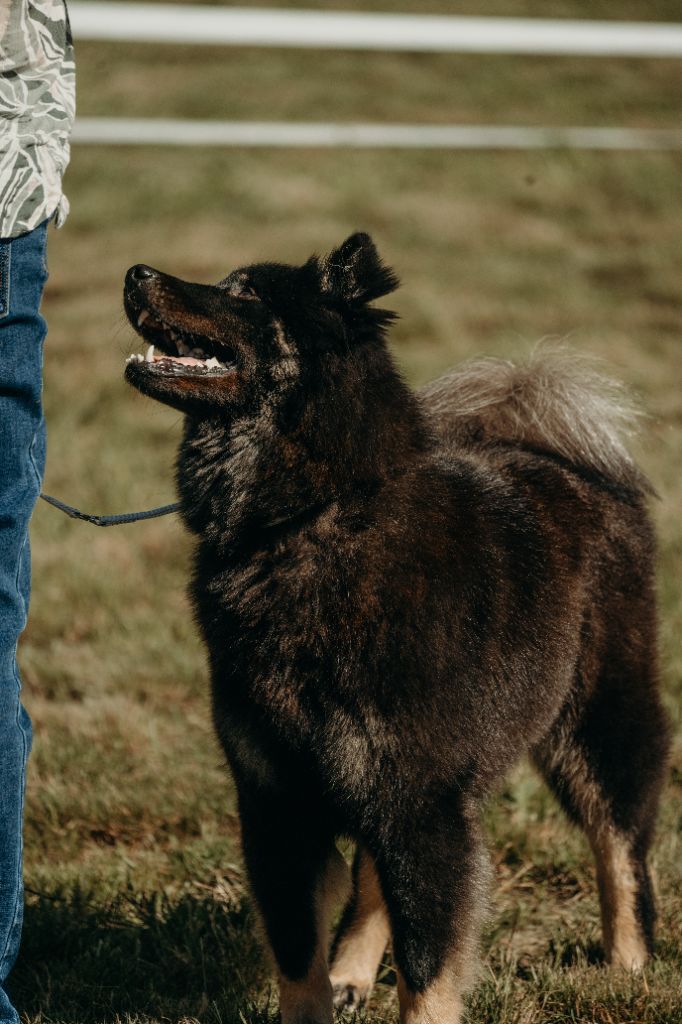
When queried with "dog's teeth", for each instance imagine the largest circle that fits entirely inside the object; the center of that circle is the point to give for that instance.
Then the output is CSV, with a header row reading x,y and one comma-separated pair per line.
x,y
149,358
182,348
198,353
142,317
212,362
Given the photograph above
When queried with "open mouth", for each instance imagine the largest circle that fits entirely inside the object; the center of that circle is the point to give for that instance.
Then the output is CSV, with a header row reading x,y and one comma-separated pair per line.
x,y
181,353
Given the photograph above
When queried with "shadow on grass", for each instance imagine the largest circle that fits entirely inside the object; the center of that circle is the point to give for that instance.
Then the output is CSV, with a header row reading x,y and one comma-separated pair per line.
x,y
562,957
195,957
579,954
145,958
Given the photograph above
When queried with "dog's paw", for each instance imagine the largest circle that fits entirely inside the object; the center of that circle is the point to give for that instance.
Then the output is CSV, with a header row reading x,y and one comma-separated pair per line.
x,y
349,996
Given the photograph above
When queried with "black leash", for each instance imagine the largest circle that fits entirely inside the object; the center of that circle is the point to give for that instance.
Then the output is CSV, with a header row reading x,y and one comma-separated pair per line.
x,y
125,517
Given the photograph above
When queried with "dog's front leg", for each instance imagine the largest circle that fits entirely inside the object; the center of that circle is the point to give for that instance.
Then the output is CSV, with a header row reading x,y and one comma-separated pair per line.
x,y
433,872
288,861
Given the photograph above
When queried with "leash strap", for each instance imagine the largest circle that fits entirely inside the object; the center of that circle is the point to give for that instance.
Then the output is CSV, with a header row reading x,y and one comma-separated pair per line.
x,y
126,517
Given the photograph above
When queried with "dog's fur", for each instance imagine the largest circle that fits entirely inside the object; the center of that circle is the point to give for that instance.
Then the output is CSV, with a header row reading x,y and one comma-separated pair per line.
x,y
400,595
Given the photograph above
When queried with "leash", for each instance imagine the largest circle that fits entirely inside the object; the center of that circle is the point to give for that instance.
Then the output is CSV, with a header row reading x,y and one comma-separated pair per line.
x,y
125,517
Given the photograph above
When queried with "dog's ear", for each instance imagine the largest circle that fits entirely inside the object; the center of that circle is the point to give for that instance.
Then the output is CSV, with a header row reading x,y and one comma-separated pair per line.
x,y
355,273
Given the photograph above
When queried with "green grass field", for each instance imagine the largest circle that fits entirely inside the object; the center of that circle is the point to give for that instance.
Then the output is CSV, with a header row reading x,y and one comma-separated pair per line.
x,y
136,906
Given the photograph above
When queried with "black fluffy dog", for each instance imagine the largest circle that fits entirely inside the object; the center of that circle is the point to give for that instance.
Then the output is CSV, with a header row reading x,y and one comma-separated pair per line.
x,y
400,595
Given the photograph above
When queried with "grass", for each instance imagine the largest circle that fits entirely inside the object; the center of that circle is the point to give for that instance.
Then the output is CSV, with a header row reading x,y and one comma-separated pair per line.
x,y
136,907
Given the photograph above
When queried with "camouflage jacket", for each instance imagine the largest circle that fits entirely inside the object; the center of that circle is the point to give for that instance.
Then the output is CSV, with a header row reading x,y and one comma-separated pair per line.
x,y
37,108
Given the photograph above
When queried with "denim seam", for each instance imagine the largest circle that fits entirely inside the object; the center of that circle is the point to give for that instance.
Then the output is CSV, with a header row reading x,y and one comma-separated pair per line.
x,y
32,458
5,265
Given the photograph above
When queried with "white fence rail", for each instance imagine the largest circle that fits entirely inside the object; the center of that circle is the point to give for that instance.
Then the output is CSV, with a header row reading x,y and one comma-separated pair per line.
x,y
144,131
238,26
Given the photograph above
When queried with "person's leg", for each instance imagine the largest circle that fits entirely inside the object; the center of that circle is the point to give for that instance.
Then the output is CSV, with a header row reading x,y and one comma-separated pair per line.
x,y
22,453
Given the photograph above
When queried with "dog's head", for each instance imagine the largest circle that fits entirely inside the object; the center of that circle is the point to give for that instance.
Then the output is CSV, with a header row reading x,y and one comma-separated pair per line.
x,y
259,334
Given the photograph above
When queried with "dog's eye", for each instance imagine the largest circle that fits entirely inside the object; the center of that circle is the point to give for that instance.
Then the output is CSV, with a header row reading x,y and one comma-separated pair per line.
x,y
246,292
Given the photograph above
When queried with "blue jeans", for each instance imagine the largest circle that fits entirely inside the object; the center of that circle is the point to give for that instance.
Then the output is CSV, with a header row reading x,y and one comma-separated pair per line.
x,y
23,273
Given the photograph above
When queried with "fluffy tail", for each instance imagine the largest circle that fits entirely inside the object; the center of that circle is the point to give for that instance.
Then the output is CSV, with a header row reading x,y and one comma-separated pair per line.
x,y
556,402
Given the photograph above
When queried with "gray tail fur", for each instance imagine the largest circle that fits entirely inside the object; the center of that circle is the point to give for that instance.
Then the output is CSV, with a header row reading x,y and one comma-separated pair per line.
x,y
557,401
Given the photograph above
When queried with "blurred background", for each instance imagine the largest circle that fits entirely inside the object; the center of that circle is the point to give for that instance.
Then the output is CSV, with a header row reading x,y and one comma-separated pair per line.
x,y
136,901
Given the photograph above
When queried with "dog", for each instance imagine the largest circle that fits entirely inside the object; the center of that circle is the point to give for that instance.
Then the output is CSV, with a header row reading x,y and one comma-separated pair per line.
x,y
401,594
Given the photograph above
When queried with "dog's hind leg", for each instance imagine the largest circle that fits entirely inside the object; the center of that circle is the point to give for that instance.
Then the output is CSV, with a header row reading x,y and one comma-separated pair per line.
x,y
290,866
605,760
362,937
626,898
434,871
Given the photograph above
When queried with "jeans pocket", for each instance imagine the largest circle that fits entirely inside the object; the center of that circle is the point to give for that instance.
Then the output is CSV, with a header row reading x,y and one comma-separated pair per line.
x,y
5,255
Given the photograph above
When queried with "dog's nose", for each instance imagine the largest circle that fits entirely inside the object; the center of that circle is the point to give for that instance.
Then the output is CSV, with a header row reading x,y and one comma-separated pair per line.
x,y
141,271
